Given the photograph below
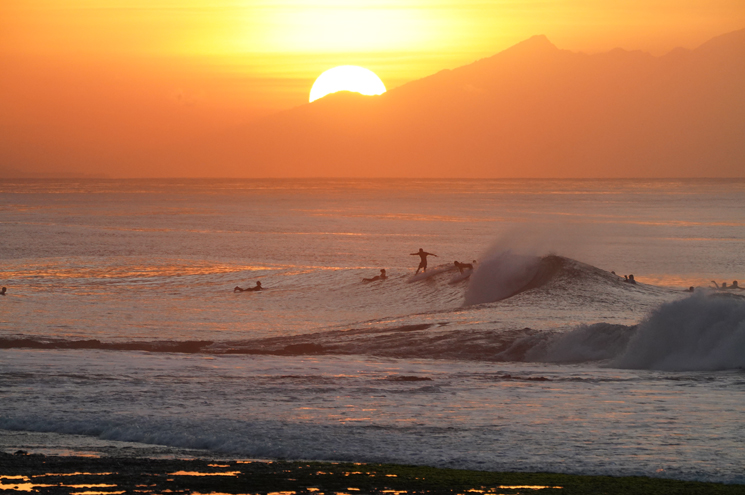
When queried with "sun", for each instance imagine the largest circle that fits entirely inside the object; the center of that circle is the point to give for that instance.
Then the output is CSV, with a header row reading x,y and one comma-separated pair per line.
x,y
347,78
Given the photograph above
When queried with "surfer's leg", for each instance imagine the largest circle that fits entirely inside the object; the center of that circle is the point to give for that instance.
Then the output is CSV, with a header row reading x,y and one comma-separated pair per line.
x,y
421,265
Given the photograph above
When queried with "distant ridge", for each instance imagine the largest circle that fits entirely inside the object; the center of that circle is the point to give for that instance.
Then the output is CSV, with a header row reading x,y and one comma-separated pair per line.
x,y
532,110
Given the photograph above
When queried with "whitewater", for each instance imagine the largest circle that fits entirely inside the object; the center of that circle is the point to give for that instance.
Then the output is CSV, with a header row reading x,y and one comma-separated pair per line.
x,y
121,333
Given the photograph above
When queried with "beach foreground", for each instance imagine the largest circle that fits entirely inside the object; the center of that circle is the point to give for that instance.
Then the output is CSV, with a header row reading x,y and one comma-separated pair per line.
x,y
21,472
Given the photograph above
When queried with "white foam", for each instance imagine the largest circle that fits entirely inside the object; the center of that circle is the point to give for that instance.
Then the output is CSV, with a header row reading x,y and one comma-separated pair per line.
x,y
701,332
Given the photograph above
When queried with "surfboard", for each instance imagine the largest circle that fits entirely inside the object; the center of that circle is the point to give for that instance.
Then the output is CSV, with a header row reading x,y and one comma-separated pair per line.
x,y
429,274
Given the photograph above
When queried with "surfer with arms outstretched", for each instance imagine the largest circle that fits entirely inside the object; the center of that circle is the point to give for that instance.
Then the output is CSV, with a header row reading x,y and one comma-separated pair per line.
x,y
250,289
423,255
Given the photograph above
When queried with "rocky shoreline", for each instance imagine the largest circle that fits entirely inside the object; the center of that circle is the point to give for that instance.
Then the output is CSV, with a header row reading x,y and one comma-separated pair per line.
x,y
35,473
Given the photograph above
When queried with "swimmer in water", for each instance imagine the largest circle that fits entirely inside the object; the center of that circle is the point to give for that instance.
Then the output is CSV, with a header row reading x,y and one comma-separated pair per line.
x,y
629,279
382,276
463,266
720,287
2,291
423,263
249,289
733,286
689,289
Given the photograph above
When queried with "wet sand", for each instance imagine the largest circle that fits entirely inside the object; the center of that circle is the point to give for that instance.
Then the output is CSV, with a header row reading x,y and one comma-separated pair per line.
x,y
36,473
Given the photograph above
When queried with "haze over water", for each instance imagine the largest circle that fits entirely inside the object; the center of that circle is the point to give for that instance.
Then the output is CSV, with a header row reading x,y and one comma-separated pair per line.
x,y
558,375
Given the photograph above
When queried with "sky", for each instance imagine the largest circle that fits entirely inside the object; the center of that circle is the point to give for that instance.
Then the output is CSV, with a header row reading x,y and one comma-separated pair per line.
x,y
116,80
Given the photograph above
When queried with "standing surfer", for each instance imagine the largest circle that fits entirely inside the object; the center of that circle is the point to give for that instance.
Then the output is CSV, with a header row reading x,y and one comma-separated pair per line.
x,y
423,255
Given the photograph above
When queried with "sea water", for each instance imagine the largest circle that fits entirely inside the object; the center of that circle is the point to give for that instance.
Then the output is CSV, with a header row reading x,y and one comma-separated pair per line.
x,y
121,329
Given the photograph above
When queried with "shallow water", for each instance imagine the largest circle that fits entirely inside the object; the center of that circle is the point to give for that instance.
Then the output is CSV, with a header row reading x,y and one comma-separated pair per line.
x,y
573,370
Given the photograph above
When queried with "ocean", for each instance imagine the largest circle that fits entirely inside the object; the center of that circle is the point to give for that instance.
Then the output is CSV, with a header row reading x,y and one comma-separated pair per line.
x,y
121,332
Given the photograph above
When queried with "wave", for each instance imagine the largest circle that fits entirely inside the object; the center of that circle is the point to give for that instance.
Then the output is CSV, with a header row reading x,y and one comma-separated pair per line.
x,y
506,274
701,332
704,331
503,275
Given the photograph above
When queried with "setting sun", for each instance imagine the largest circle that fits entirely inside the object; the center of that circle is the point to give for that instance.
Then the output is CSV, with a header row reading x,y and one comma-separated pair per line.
x,y
347,78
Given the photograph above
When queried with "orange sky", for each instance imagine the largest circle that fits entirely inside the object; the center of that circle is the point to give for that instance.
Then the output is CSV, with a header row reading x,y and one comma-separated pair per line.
x,y
116,79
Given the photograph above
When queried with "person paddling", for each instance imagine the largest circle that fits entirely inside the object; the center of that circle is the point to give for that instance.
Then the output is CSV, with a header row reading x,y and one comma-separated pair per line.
x,y
463,266
249,289
423,255
382,276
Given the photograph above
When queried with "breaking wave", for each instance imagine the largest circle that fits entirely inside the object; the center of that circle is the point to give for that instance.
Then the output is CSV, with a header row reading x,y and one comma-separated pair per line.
x,y
705,331
506,274
701,332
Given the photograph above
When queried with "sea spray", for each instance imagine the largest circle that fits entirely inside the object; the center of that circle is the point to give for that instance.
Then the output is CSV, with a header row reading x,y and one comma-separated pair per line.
x,y
500,275
701,332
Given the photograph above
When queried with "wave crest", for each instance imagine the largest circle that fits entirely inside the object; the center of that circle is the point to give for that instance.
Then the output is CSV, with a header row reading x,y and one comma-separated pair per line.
x,y
701,332
506,274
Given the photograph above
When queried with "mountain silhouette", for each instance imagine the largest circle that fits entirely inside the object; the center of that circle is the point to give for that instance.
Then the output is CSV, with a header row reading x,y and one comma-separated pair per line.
x,y
532,110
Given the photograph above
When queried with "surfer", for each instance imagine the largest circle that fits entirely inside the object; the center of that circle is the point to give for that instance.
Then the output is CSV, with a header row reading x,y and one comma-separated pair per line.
x,y
423,255
2,291
382,276
249,289
463,266
629,279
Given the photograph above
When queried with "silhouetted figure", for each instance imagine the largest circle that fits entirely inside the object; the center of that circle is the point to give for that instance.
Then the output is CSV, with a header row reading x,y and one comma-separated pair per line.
x,y
720,287
249,289
735,286
629,279
2,291
463,266
423,255
689,289
382,276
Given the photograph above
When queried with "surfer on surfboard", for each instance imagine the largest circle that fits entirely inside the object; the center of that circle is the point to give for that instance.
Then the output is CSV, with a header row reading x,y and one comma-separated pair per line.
x,y
382,276
423,255
250,289
463,266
